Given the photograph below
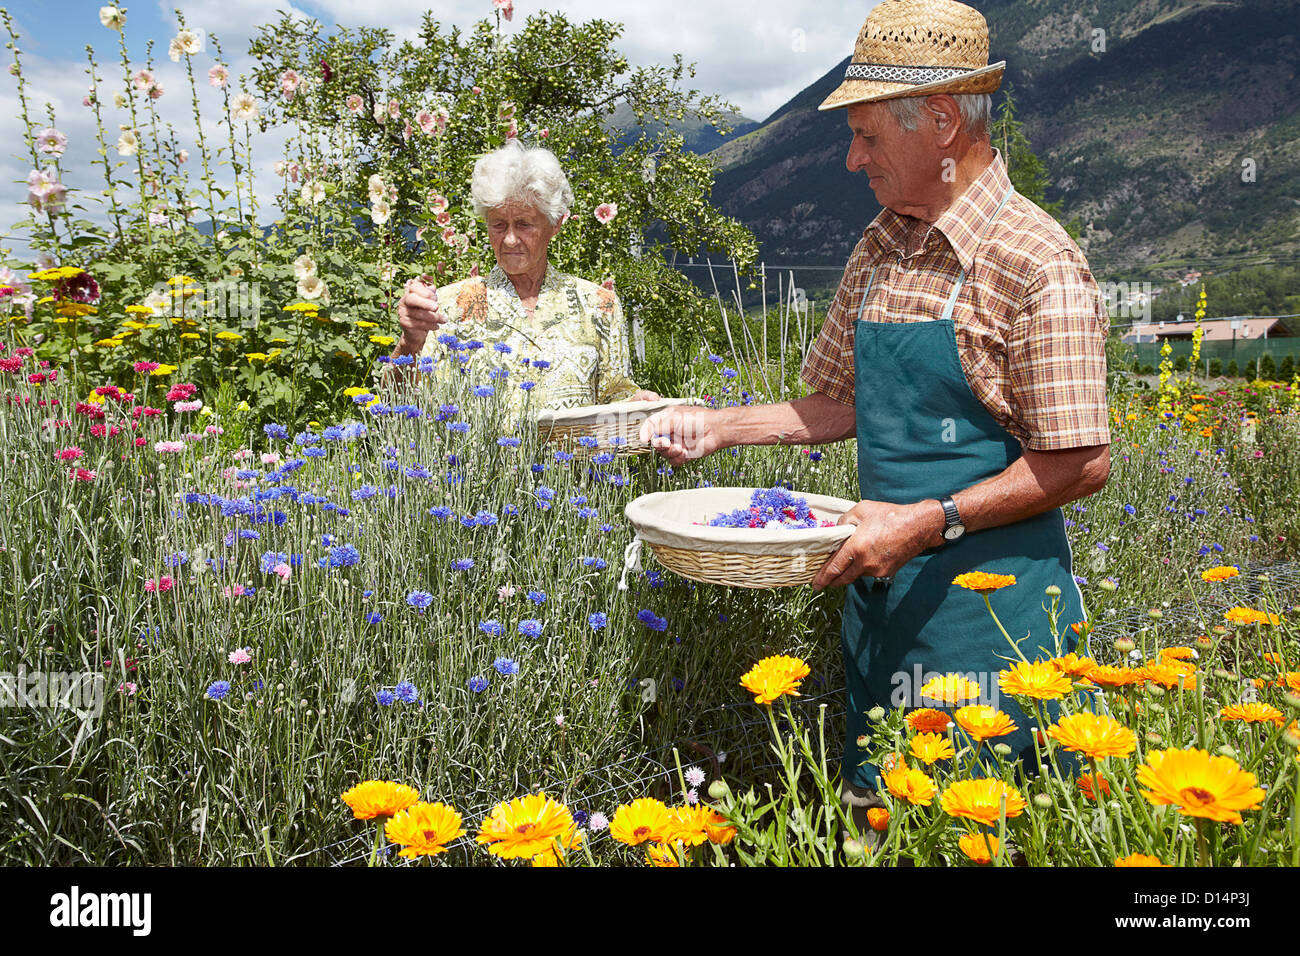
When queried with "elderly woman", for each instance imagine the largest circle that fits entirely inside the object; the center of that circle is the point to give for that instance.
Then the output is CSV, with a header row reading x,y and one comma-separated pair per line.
x,y
571,331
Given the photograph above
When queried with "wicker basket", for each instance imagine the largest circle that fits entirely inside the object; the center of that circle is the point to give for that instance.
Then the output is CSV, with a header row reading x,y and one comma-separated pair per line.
x,y
616,427
735,557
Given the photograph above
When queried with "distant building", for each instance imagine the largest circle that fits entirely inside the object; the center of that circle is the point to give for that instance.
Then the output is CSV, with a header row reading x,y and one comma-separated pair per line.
x,y
1216,330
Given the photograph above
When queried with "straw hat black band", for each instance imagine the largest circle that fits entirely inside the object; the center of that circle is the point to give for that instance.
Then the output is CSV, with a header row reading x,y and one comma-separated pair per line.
x,y
892,73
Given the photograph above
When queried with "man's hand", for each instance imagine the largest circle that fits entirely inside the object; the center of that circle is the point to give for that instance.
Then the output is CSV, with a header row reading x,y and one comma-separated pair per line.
x,y
645,395
886,538
682,432
418,314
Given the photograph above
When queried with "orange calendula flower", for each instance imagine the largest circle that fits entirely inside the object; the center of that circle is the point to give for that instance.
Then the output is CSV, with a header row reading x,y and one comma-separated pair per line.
x,y
983,723
527,826
910,785
547,858
690,824
1199,785
379,798
642,821
927,720
1221,573
1088,785
1039,680
1177,654
719,828
774,676
878,818
1093,735
1292,681
1170,674
982,800
1255,713
983,582
424,829
977,847
1140,859
950,689
1074,666
1107,675
661,854
930,747
1246,615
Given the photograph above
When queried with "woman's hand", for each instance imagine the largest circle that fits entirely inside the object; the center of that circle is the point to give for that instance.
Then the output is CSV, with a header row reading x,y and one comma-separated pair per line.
x,y
418,314
645,395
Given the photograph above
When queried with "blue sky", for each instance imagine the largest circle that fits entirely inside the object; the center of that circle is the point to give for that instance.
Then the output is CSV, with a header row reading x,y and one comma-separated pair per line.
x,y
755,53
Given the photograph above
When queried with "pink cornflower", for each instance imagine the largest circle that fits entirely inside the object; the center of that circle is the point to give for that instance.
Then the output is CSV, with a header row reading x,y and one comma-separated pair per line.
x,y
241,656
81,474
597,822
144,368
128,688
168,447
70,454
181,391
283,570
270,458
160,586
191,406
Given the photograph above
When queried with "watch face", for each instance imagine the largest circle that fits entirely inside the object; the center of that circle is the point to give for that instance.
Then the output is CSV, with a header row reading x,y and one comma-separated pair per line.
x,y
953,532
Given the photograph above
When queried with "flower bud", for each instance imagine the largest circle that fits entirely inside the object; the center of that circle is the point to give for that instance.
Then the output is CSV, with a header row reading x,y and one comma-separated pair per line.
x,y
876,713
854,850
1052,591
1155,613
1002,750
1291,700
718,790
1042,801
1124,645
863,742
1227,750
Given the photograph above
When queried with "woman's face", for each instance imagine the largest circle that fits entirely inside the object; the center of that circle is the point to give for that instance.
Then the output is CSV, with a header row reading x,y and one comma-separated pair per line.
x,y
519,235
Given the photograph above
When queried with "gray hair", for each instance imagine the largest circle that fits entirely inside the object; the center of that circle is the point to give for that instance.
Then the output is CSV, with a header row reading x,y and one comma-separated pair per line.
x,y
976,111
528,176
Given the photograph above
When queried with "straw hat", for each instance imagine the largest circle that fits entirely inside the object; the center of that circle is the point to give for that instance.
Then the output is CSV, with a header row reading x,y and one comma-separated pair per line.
x,y
918,48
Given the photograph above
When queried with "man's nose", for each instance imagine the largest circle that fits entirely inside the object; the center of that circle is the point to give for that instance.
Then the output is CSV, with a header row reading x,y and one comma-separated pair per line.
x,y
857,157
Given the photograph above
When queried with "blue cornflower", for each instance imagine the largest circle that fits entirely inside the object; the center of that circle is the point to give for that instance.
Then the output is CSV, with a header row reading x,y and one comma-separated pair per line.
x,y
485,519
405,692
537,469
484,391
527,386
344,556
814,456
460,428
385,698
578,500
272,558
545,493
716,359
563,456
1130,509
218,689
505,666
462,564
248,534
492,628
374,618
467,521
530,627
506,441
652,620
1080,580
362,399
420,599
729,373
587,512
364,493
1102,547
177,559
604,458
587,441
418,472
478,684
541,363
537,597
315,452
275,431
503,348
597,563
510,510
499,373
441,512
598,620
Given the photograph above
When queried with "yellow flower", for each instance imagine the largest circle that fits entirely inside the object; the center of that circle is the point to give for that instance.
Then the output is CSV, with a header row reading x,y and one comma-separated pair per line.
x,y
661,854
930,747
75,310
163,370
109,343
229,336
910,785
1254,713
878,819
547,858
527,826
950,689
1139,859
1074,666
424,829
256,357
1039,680
773,676
363,324
981,800
1170,673
641,821
135,326
1221,573
140,309
379,798
1199,785
983,722
1108,675
1094,735
976,846
382,339
302,307
690,824
55,273
191,335
983,582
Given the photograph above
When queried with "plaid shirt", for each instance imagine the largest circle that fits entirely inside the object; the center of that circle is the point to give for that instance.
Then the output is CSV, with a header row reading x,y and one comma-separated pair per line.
x,y
1030,322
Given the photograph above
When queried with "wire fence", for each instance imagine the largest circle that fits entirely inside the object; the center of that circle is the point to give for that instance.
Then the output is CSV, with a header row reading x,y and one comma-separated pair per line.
x,y
654,772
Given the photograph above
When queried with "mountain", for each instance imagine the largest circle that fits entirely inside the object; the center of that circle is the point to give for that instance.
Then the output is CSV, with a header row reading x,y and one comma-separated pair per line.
x,y
1150,130
700,136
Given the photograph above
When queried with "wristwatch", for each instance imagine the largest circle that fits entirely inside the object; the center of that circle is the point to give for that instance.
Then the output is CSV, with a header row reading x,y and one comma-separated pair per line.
x,y
953,529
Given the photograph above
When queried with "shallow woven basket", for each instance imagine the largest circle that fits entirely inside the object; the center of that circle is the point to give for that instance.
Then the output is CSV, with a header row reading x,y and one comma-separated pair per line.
x,y
563,427
735,557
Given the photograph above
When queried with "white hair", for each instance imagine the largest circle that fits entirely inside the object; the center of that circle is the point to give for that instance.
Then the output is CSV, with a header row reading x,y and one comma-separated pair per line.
x,y
528,176
976,111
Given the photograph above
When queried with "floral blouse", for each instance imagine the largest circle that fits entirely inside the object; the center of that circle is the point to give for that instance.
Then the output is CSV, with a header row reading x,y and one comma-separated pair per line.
x,y
578,327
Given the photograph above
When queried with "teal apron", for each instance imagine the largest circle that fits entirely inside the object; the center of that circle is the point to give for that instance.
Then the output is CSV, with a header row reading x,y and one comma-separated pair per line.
x,y
922,434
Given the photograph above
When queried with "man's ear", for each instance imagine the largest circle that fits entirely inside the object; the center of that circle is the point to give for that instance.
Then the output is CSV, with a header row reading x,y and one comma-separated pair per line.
x,y
946,117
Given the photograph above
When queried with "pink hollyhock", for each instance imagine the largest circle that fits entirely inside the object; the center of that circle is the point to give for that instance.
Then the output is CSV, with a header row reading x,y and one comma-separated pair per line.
x,y
218,75
606,212
354,103
507,7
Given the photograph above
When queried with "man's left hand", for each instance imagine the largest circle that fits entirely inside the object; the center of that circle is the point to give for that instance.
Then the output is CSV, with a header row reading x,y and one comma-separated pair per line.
x,y
886,538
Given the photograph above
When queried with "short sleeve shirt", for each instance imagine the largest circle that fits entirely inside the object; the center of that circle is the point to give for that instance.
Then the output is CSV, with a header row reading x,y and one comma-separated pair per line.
x,y
1030,322
577,330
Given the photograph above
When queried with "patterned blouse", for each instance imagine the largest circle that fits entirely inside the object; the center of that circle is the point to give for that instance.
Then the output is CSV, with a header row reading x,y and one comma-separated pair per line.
x,y
578,327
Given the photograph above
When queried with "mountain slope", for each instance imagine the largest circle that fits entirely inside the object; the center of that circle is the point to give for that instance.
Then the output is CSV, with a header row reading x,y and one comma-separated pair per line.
x,y
1144,139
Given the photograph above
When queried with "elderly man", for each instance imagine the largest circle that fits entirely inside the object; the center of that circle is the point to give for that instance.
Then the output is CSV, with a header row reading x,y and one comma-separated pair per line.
x,y
965,351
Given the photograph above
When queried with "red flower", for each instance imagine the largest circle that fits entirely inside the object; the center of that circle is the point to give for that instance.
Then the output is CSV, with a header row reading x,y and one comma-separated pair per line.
x,y
144,368
82,474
